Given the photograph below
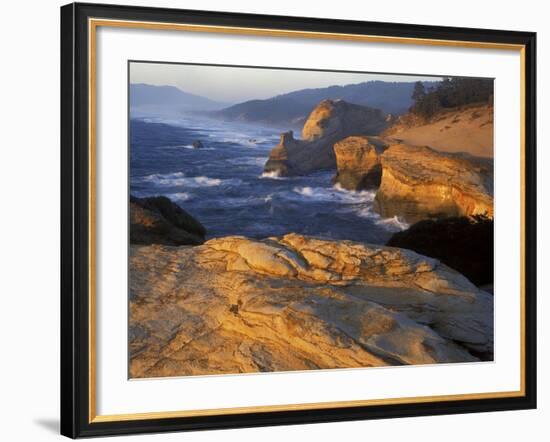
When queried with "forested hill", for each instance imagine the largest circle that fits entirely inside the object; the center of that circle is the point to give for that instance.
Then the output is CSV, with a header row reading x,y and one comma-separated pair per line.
x,y
292,109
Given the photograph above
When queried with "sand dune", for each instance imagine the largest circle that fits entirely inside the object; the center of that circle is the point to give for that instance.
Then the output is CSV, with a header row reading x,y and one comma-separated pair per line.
x,y
466,129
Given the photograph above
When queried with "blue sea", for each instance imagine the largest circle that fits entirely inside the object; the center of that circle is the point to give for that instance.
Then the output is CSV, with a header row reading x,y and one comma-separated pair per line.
x,y
223,185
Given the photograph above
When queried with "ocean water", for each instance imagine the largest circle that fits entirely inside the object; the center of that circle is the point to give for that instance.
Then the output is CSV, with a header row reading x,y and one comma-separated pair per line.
x,y
222,184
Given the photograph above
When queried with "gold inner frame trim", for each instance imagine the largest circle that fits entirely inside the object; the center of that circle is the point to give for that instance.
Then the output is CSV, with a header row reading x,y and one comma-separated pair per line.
x,y
93,24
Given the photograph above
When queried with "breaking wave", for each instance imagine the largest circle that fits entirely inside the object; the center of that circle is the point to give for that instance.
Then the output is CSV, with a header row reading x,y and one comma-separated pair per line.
x,y
335,193
274,175
179,179
394,224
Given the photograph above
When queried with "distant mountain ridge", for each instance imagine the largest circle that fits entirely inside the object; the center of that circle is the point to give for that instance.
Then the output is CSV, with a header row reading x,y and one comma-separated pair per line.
x,y
146,97
291,109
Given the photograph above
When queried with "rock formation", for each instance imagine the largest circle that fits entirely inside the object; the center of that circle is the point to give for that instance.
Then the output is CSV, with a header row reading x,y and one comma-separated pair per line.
x,y
419,182
358,162
463,243
157,220
235,305
329,122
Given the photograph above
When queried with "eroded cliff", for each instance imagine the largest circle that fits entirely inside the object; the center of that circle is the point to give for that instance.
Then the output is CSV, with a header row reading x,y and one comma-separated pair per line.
x,y
419,182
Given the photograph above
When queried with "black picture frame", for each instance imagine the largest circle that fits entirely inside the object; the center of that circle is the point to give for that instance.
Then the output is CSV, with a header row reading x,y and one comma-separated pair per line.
x,y
75,220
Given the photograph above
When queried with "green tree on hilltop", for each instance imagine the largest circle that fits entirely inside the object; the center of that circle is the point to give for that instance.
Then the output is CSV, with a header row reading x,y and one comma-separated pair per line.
x,y
419,92
451,92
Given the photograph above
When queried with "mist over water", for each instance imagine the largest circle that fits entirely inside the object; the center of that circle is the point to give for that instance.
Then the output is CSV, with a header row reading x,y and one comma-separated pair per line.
x,y
223,185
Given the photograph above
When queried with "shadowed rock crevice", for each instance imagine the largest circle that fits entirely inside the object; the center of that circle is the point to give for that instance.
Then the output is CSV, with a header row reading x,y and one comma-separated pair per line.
x,y
463,243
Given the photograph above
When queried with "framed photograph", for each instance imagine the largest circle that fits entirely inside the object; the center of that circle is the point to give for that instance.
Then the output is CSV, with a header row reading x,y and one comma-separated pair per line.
x,y
274,220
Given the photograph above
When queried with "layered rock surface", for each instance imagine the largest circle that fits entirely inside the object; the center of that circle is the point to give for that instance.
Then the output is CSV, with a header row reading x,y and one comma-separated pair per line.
x,y
236,305
358,162
329,122
419,182
158,220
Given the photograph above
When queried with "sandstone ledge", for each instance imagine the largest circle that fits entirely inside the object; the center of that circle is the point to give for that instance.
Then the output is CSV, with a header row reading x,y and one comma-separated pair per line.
x,y
235,305
419,182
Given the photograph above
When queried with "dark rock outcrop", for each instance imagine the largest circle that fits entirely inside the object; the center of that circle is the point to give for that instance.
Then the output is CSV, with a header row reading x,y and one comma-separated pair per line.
x,y
420,183
463,243
280,157
330,121
358,162
158,220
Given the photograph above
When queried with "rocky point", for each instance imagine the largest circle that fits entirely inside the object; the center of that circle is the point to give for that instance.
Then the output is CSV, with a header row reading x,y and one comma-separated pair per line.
x,y
235,305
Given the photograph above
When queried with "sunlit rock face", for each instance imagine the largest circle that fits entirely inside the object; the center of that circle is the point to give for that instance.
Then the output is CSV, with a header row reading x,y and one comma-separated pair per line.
x,y
419,182
235,305
358,162
328,123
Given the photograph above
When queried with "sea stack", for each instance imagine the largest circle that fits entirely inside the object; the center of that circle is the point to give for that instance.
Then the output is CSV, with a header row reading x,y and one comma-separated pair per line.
x,y
328,123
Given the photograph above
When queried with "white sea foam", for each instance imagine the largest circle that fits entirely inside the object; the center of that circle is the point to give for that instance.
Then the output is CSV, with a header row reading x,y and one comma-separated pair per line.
x,y
273,175
179,179
334,194
360,202
176,196
394,224
179,196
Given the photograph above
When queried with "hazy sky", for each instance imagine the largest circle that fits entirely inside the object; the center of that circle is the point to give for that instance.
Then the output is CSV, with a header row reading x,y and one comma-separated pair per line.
x,y
235,84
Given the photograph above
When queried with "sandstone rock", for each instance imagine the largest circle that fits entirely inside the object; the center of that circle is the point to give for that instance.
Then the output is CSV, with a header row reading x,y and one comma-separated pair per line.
x,y
235,305
158,220
358,162
329,122
419,182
